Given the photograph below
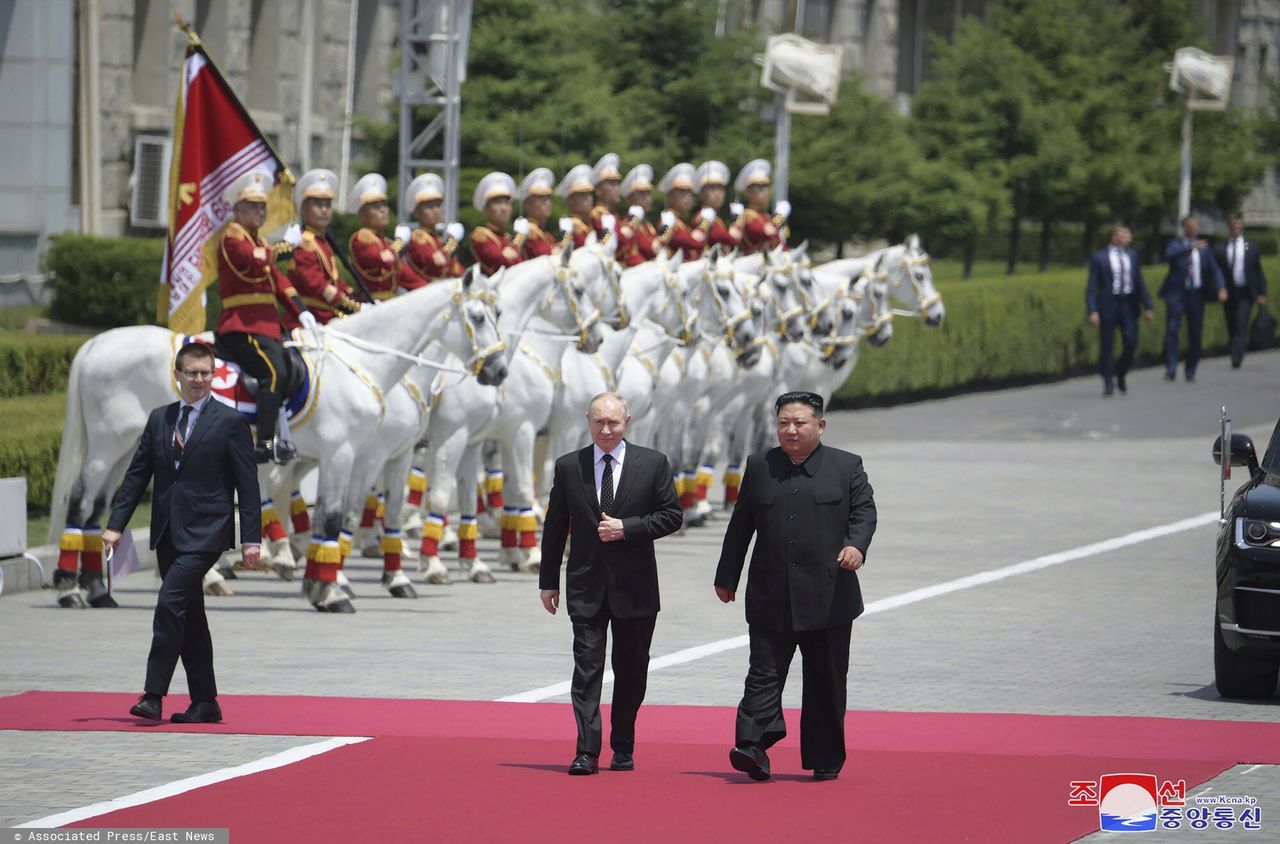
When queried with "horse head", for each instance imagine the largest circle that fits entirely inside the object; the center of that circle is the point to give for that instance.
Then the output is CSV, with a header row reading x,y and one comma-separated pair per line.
x,y
876,313
912,284
471,327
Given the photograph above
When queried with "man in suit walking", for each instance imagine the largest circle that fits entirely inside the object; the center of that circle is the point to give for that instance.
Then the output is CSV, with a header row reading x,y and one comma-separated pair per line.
x,y
1246,283
811,510
197,453
1193,279
616,498
1114,295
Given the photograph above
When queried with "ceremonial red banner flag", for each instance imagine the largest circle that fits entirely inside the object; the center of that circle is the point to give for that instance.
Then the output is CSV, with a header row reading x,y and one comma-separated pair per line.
x,y
215,141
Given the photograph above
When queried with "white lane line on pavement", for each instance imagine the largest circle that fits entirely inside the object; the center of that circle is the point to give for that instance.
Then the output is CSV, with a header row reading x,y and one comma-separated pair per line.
x,y
160,792
912,597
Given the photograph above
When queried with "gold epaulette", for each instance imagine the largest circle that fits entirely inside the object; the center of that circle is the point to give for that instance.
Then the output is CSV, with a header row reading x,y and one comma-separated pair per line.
x,y
237,231
367,236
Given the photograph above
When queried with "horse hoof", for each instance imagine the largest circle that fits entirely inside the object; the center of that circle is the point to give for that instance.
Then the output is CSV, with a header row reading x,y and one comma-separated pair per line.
x,y
482,577
102,602
72,600
218,590
228,573
695,519
284,571
371,552
341,607
438,579
530,567
405,591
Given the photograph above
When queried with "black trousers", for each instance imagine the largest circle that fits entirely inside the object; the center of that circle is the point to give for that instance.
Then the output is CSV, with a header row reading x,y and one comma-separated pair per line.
x,y
1127,321
825,656
263,358
1192,305
1237,309
631,639
180,629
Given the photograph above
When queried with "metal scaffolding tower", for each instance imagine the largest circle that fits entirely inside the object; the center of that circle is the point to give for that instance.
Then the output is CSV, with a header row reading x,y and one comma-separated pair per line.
x,y
433,65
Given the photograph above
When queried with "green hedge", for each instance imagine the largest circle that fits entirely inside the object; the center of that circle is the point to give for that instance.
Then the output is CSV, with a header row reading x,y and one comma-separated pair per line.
x,y
32,428
1004,331
104,281
32,364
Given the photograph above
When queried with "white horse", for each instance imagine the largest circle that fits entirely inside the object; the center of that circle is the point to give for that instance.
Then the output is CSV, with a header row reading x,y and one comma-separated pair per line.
x,y
118,377
471,414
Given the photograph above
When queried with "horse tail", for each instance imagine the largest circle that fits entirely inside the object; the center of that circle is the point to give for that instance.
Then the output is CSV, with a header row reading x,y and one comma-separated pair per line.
x,y
71,454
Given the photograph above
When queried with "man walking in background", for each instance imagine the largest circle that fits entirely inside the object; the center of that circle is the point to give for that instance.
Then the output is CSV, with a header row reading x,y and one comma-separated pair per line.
x,y
1113,297
1193,279
196,453
616,498
1246,283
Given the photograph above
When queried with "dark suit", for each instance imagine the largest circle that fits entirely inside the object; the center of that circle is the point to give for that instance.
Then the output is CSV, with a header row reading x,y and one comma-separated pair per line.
x,y
609,581
1116,310
797,593
1240,298
191,525
1182,299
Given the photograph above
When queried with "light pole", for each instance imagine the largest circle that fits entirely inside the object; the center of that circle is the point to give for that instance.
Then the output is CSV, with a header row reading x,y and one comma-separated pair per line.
x,y
1205,81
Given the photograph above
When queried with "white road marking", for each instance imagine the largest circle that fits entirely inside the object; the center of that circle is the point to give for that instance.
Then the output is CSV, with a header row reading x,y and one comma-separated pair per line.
x,y
912,597
160,792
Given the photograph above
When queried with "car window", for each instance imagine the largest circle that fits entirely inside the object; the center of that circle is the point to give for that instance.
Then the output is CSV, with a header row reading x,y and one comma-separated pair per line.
x,y
1271,459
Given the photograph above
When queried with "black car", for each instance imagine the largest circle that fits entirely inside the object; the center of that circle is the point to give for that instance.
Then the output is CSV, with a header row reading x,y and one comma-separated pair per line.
x,y
1246,630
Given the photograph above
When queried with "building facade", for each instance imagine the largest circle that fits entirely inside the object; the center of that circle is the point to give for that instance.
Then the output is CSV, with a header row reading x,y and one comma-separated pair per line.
x,y
89,152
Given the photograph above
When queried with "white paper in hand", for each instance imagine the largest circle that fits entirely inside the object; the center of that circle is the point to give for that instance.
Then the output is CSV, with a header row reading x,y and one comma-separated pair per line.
x,y
124,559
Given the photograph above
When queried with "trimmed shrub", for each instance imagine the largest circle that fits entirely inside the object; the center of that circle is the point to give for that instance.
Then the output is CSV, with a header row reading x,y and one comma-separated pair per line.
x,y
1006,331
104,281
32,435
35,363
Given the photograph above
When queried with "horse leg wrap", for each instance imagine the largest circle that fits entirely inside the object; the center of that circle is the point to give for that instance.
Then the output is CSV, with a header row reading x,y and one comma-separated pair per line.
x,y
417,487
468,533
69,548
392,547
493,489
91,556
370,512
324,556
271,527
432,531
732,481
705,478
687,486
528,527
510,527
298,513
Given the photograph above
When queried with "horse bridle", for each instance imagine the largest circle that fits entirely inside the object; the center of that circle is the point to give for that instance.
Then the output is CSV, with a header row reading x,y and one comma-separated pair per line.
x,y
609,265
457,307
581,325
729,323
923,302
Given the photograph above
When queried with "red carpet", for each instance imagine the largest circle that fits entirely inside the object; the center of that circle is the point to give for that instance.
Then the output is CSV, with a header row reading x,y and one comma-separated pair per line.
x,y
470,770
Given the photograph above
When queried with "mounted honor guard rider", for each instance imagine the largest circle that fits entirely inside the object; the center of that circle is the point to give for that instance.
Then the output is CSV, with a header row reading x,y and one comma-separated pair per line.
x,y
248,329
637,237
712,179
608,191
427,258
535,201
491,246
759,230
676,234
375,257
577,189
313,272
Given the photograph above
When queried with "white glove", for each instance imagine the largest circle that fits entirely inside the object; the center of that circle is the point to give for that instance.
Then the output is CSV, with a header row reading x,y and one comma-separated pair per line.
x,y
782,209
455,231
293,234
566,225
736,209
708,214
609,222
308,321
522,226
635,212
403,233
668,218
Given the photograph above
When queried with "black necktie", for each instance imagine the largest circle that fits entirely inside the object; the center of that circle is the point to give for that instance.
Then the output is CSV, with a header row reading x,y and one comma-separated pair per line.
x,y
180,433
606,486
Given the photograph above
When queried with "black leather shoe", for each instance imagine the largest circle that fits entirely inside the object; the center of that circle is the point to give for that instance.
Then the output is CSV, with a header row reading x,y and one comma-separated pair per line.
x,y
584,764
148,706
622,762
1121,385
825,773
198,713
752,761
1108,391
1169,376
1191,376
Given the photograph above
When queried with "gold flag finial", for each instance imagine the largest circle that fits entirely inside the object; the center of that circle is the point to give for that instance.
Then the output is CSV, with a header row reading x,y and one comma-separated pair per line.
x,y
192,38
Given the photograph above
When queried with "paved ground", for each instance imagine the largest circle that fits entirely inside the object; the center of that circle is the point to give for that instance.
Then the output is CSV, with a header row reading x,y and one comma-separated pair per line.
x,y
962,485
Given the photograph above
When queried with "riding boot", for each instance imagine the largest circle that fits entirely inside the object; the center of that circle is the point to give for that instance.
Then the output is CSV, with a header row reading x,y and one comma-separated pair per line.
x,y
285,449
268,412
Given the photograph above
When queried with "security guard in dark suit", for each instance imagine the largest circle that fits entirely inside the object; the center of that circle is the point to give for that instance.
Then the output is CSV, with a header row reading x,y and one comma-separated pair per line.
x,y
1241,264
811,510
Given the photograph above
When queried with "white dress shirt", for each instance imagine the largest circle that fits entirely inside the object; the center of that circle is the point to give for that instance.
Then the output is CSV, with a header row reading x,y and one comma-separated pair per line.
x,y
1235,254
618,454
1193,270
1121,279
